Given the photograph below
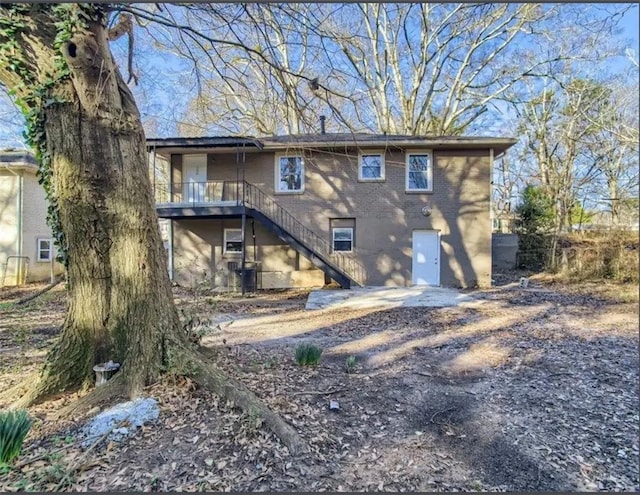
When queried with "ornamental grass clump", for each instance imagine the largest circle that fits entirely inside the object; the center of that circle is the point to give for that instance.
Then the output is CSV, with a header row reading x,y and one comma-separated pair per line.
x,y
14,426
308,354
350,364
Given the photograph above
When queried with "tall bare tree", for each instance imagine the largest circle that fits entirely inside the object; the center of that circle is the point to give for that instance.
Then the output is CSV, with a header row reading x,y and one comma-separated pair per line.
x,y
613,146
398,68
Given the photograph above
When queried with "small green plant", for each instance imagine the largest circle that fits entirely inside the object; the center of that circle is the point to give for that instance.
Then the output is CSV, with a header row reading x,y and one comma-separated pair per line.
x,y
308,354
350,364
14,426
270,363
476,486
7,306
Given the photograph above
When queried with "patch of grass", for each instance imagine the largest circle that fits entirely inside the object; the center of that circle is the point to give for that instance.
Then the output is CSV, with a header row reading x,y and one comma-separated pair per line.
x,y
350,364
7,306
308,354
14,426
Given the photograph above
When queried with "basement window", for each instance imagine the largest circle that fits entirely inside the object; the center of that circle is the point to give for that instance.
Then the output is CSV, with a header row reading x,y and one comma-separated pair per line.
x,y
343,239
44,248
232,241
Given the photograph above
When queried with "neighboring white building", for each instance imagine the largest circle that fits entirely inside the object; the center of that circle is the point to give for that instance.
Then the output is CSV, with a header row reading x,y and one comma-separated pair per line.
x,y
27,253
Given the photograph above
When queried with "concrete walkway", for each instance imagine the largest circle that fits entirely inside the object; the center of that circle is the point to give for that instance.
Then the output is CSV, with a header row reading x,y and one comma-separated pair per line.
x,y
389,297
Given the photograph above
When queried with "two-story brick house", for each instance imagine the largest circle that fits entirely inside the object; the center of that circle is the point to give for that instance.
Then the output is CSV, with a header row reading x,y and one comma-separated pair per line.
x,y
376,210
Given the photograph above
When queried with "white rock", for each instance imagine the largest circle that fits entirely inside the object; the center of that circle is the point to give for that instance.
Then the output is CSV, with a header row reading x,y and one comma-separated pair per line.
x,y
131,414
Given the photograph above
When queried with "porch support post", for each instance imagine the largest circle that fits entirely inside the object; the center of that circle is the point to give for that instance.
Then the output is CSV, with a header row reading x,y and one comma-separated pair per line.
x,y
244,250
244,220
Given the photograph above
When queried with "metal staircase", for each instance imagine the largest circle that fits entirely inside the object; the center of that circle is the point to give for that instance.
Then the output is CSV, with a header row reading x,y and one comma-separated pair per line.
x,y
340,267
213,199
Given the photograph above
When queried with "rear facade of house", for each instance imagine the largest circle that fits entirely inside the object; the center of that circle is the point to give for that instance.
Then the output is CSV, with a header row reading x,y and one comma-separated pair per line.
x,y
305,210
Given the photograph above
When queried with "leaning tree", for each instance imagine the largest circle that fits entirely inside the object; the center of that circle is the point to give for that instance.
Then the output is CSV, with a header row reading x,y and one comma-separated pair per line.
x,y
85,128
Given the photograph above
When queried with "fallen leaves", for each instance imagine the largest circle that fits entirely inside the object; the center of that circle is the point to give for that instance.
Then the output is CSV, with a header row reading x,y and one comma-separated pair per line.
x,y
564,400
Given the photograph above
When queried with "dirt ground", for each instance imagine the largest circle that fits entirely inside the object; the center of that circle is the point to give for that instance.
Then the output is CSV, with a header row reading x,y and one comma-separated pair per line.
x,y
527,390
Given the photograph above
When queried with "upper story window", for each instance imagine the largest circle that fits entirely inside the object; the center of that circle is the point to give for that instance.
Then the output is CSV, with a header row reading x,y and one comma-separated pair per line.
x,y
289,173
232,241
371,166
44,248
419,167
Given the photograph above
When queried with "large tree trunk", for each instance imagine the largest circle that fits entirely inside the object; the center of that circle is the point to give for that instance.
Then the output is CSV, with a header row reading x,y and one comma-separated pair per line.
x,y
120,302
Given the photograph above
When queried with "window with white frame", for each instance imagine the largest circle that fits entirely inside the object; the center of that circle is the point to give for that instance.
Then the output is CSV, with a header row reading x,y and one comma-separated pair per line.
x,y
44,249
232,241
419,166
371,166
343,239
289,173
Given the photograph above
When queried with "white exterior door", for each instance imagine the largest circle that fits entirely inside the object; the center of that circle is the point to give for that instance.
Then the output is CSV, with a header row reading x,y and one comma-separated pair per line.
x,y
426,257
194,178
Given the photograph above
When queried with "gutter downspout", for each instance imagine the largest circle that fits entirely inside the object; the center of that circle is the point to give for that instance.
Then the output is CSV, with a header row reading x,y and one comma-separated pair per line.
x,y
19,208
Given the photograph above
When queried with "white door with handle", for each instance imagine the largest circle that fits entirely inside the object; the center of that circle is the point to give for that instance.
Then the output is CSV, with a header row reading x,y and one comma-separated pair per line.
x,y
426,257
194,180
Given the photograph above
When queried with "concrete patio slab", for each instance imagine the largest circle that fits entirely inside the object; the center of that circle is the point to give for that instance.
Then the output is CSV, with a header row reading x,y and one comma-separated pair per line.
x,y
389,297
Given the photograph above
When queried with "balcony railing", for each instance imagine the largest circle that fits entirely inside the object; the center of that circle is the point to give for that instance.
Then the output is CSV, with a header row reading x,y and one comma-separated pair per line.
x,y
247,194
210,192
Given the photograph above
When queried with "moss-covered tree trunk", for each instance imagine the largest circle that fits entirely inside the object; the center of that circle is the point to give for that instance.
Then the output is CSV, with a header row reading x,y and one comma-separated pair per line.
x,y
120,302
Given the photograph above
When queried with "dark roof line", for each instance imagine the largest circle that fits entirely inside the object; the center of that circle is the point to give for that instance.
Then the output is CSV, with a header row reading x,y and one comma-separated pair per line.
x,y
345,136
209,142
333,139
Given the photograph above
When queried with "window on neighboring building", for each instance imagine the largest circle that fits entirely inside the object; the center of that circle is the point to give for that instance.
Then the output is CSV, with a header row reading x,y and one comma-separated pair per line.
x,y
289,173
232,240
419,171
44,250
371,166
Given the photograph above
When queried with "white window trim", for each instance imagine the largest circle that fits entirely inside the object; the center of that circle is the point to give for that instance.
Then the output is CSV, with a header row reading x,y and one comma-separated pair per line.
x,y
39,258
224,241
379,153
333,239
276,185
407,154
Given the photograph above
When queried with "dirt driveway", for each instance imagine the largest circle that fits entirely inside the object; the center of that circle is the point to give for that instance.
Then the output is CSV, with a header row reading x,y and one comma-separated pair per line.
x,y
532,390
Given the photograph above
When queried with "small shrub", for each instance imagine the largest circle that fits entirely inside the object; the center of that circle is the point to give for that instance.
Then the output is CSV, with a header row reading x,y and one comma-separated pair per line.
x,y
308,354
14,426
350,363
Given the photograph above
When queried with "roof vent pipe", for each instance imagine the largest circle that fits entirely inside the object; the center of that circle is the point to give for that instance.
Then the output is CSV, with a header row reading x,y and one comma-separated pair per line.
x,y
322,119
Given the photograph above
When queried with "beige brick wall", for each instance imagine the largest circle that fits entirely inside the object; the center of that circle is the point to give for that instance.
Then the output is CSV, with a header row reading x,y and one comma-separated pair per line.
x,y
386,215
198,255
